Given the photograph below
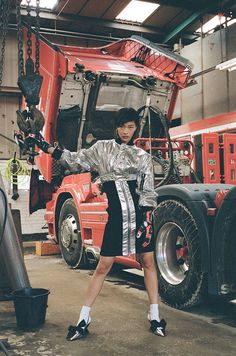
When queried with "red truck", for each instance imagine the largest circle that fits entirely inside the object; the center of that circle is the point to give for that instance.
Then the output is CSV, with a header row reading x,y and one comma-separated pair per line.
x,y
194,223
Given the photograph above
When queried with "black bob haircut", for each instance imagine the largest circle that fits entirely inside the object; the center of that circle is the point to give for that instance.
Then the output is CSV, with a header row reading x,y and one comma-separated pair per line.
x,y
125,115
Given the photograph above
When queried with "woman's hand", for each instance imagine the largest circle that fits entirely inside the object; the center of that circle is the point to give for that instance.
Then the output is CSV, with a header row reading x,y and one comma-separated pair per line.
x,y
38,140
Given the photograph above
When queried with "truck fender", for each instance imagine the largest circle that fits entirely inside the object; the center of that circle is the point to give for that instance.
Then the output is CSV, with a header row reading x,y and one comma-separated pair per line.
x,y
62,196
197,198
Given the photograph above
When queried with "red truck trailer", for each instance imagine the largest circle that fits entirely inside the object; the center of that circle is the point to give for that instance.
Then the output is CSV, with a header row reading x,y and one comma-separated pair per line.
x,y
82,89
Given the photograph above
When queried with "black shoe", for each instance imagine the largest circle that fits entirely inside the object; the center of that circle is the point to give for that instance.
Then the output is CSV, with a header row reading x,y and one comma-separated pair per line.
x,y
158,328
79,331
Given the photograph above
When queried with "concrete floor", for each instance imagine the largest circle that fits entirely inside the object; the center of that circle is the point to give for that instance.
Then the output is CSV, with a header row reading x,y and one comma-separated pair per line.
x,y
119,319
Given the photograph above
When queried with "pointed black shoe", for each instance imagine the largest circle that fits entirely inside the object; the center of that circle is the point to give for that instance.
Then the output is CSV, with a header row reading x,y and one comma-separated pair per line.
x,y
158,328
79,331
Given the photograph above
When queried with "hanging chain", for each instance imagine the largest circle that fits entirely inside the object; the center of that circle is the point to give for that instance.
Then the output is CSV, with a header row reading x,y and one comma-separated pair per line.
x,y
20,39
29,35
29,80
4,13
28,25
37,44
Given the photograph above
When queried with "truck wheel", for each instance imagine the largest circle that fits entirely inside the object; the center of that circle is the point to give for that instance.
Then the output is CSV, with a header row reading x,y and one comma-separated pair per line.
x,y
69,235
178,256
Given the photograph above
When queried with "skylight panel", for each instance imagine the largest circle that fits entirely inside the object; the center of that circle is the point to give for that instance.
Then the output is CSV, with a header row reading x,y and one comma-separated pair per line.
x,y
44,4
218,20
137,11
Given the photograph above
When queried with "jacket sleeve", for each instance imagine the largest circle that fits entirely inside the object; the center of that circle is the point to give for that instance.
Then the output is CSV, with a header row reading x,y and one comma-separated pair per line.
x,y
85,158
145,183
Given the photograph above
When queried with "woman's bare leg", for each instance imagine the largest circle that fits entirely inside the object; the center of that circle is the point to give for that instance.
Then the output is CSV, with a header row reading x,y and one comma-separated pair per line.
x,y
97,280
150,276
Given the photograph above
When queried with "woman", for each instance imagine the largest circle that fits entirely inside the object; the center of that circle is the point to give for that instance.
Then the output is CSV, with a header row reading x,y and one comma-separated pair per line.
x,y
127,178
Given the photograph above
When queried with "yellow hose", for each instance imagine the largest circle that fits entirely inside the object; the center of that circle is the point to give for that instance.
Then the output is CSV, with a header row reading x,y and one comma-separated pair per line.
x,y
21,170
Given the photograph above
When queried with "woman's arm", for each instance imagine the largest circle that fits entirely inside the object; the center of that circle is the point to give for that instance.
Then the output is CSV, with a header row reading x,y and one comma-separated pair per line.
x,y
145,182
88,159
85,158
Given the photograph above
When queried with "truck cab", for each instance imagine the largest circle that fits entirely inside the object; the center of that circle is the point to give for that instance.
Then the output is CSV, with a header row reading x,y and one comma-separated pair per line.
x,y
82,90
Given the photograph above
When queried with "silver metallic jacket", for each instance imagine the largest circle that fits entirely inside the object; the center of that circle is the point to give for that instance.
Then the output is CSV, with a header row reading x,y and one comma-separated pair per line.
x,y
116,162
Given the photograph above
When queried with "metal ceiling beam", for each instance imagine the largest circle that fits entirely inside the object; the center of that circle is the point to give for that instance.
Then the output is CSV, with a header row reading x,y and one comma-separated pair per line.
x,y
187,22
182,26
187,5
215,7
226,8
91,21
209,8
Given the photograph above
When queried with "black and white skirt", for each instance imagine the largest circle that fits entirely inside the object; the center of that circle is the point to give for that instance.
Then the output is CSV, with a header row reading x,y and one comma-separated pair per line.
x,y
124,219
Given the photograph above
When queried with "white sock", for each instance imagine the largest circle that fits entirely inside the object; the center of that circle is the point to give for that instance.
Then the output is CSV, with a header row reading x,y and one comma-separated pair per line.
x,y
84,314
154,312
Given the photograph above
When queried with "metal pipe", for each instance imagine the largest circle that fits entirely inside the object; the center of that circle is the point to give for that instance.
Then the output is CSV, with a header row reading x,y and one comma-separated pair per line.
x,y
202,72
87,88
10,250
71,34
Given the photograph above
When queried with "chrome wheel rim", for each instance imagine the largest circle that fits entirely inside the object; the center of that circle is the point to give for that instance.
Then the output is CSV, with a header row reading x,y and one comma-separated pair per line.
x,y
69,233
172,254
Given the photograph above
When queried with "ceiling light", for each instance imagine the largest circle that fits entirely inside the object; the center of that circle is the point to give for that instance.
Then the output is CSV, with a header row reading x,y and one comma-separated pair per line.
x,y
44,4
230,22
217,20
137,11
228,65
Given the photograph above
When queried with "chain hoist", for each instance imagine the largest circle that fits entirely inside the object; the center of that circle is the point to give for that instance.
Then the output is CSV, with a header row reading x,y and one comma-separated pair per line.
x,y
4,15
30,121
29,80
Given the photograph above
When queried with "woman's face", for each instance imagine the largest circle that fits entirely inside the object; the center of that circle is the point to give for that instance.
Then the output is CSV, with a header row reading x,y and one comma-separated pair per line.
x,y
126,131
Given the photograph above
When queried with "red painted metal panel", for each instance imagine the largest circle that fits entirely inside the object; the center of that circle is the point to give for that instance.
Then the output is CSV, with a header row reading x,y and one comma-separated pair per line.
x,y
129,56
219,123
229,161
210,158
52,66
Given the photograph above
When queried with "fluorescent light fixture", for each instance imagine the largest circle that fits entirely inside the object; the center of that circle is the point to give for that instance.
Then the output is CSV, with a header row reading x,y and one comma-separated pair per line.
x,y
44,4
228,65
231,22
137,11
218,20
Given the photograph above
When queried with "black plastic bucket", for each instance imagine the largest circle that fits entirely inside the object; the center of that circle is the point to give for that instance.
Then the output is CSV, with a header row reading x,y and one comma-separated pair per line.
x,y
30,307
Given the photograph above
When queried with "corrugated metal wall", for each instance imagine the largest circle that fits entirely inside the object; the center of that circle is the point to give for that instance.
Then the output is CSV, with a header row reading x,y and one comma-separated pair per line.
x,y
10,70
10,101
8,107
215,92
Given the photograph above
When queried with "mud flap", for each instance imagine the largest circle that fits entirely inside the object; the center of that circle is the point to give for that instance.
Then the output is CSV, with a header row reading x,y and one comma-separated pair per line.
x,y
223,249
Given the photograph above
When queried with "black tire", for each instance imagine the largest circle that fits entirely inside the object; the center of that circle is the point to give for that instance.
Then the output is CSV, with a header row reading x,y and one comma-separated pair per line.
x,y
182,284
70,239
227,252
